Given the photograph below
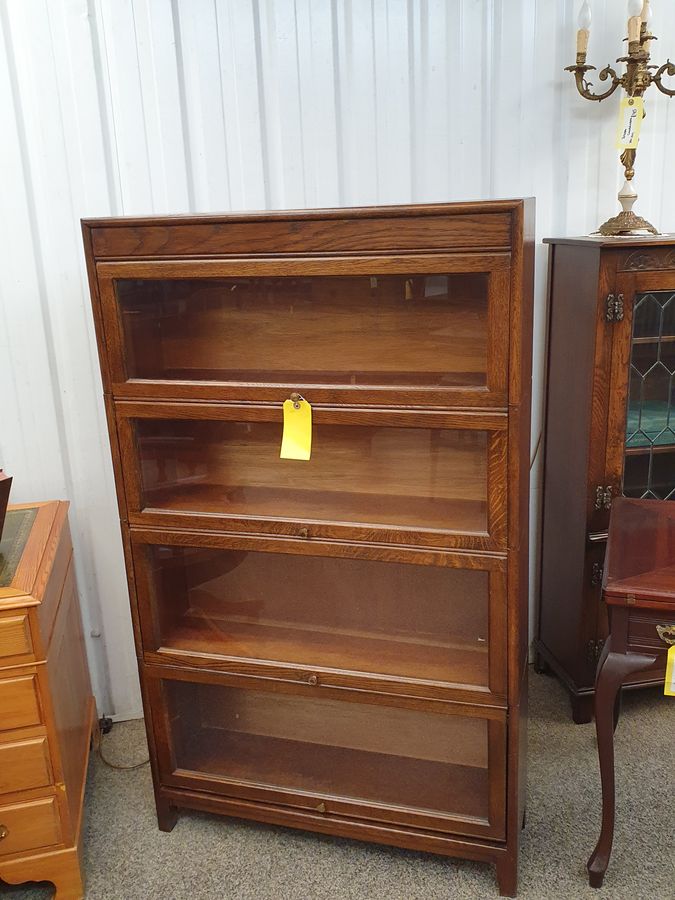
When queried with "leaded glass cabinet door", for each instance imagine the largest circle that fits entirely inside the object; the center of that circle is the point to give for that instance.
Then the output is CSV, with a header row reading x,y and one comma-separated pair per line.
x,y
641,432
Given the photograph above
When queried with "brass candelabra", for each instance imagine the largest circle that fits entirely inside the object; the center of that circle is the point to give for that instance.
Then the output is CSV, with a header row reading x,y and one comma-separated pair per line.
x,y
638,76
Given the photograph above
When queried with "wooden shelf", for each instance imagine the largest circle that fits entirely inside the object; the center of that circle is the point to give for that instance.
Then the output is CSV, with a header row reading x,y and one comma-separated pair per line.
x,y
648,339
389,330
408,657
379,378
325,771
443,514
640,449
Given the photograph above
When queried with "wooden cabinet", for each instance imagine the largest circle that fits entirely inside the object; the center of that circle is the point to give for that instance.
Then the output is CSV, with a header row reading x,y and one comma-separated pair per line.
x,y
336,644
46,706
610,431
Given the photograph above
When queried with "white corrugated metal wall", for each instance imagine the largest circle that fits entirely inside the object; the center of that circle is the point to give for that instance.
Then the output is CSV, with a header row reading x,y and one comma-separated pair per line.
x,y
156,106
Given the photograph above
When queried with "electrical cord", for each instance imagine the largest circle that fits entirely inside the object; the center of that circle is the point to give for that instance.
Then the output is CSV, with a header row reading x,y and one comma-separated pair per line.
x,y
535,452
98,747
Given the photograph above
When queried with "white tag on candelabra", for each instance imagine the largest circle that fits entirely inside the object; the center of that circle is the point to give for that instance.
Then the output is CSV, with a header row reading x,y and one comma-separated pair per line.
x,y
630,121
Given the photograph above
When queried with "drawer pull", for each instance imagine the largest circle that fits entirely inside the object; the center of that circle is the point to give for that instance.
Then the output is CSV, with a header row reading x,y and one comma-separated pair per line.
x,y
313,679
4,832
666,633
304,532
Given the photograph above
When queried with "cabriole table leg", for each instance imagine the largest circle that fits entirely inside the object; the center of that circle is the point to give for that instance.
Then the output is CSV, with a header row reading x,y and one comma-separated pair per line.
x,y
613,668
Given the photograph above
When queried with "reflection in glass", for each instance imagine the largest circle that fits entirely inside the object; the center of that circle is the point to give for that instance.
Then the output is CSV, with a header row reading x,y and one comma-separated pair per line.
x,y
649,469
330,748
420,477
414,330
363,615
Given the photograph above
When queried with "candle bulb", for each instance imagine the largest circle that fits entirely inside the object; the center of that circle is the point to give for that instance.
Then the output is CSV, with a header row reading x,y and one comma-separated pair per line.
x,y
584,28
634,20
646,14
585,17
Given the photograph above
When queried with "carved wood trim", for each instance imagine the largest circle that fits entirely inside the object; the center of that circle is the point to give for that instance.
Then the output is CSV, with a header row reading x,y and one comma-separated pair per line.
x,y
653,258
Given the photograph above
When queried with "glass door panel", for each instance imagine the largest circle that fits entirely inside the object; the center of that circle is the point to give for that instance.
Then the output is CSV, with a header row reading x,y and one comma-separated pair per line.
x,y
378,762
371,475
361,615
649,465
423,329
384,330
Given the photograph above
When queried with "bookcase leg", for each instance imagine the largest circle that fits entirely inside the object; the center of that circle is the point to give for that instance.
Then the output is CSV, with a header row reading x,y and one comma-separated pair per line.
x,y
582,708
167,815
507,876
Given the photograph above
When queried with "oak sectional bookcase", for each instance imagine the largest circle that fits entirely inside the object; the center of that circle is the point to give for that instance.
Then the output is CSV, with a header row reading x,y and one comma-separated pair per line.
x,y
337,644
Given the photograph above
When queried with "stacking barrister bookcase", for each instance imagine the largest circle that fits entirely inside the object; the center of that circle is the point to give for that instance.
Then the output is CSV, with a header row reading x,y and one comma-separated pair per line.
x,y
336,644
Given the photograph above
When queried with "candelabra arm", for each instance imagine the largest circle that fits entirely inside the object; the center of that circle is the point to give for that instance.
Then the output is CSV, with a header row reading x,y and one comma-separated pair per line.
x,y
668,68
584,86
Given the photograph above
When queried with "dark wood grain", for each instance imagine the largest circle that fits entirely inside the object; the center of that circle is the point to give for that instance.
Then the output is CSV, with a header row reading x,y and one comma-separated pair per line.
x,y
424,228
639,588
5,488
588,375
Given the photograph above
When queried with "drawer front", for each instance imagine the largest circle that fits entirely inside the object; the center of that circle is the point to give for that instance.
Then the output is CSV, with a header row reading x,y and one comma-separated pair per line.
x,y
19,702
29,825
333,751
411,622
15,637
643,635
425,479
424,330
24,764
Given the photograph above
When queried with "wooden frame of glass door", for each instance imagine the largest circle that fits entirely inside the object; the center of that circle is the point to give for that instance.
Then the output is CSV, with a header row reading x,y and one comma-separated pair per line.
x,y
628,285
151,646
491,525
492,395
199,779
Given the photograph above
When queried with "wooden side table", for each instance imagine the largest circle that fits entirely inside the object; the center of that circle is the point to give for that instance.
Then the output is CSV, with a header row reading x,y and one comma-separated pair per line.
x,y
639,589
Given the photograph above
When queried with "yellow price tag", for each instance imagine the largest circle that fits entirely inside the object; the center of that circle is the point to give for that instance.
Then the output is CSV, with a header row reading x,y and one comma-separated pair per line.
x,y
631,113
296,442
669,689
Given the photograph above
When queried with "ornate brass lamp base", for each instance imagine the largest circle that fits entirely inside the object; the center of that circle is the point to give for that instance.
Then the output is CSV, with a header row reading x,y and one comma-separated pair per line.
x,y
626,223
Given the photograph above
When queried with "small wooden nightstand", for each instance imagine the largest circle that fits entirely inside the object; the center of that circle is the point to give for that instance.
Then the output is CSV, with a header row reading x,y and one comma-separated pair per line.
x,y
47,710
639,589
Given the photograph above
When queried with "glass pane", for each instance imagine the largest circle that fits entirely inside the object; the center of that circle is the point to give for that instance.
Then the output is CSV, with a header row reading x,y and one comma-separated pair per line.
x,y
420,477
649,469
15,534
424,330
331,748
363,615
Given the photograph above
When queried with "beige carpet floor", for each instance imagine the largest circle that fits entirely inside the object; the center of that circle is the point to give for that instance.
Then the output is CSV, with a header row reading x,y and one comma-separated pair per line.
x,y
126,857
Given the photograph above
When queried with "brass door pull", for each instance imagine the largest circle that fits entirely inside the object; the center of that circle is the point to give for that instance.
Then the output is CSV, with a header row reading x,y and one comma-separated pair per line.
x,y
313,679
666,633
4,832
